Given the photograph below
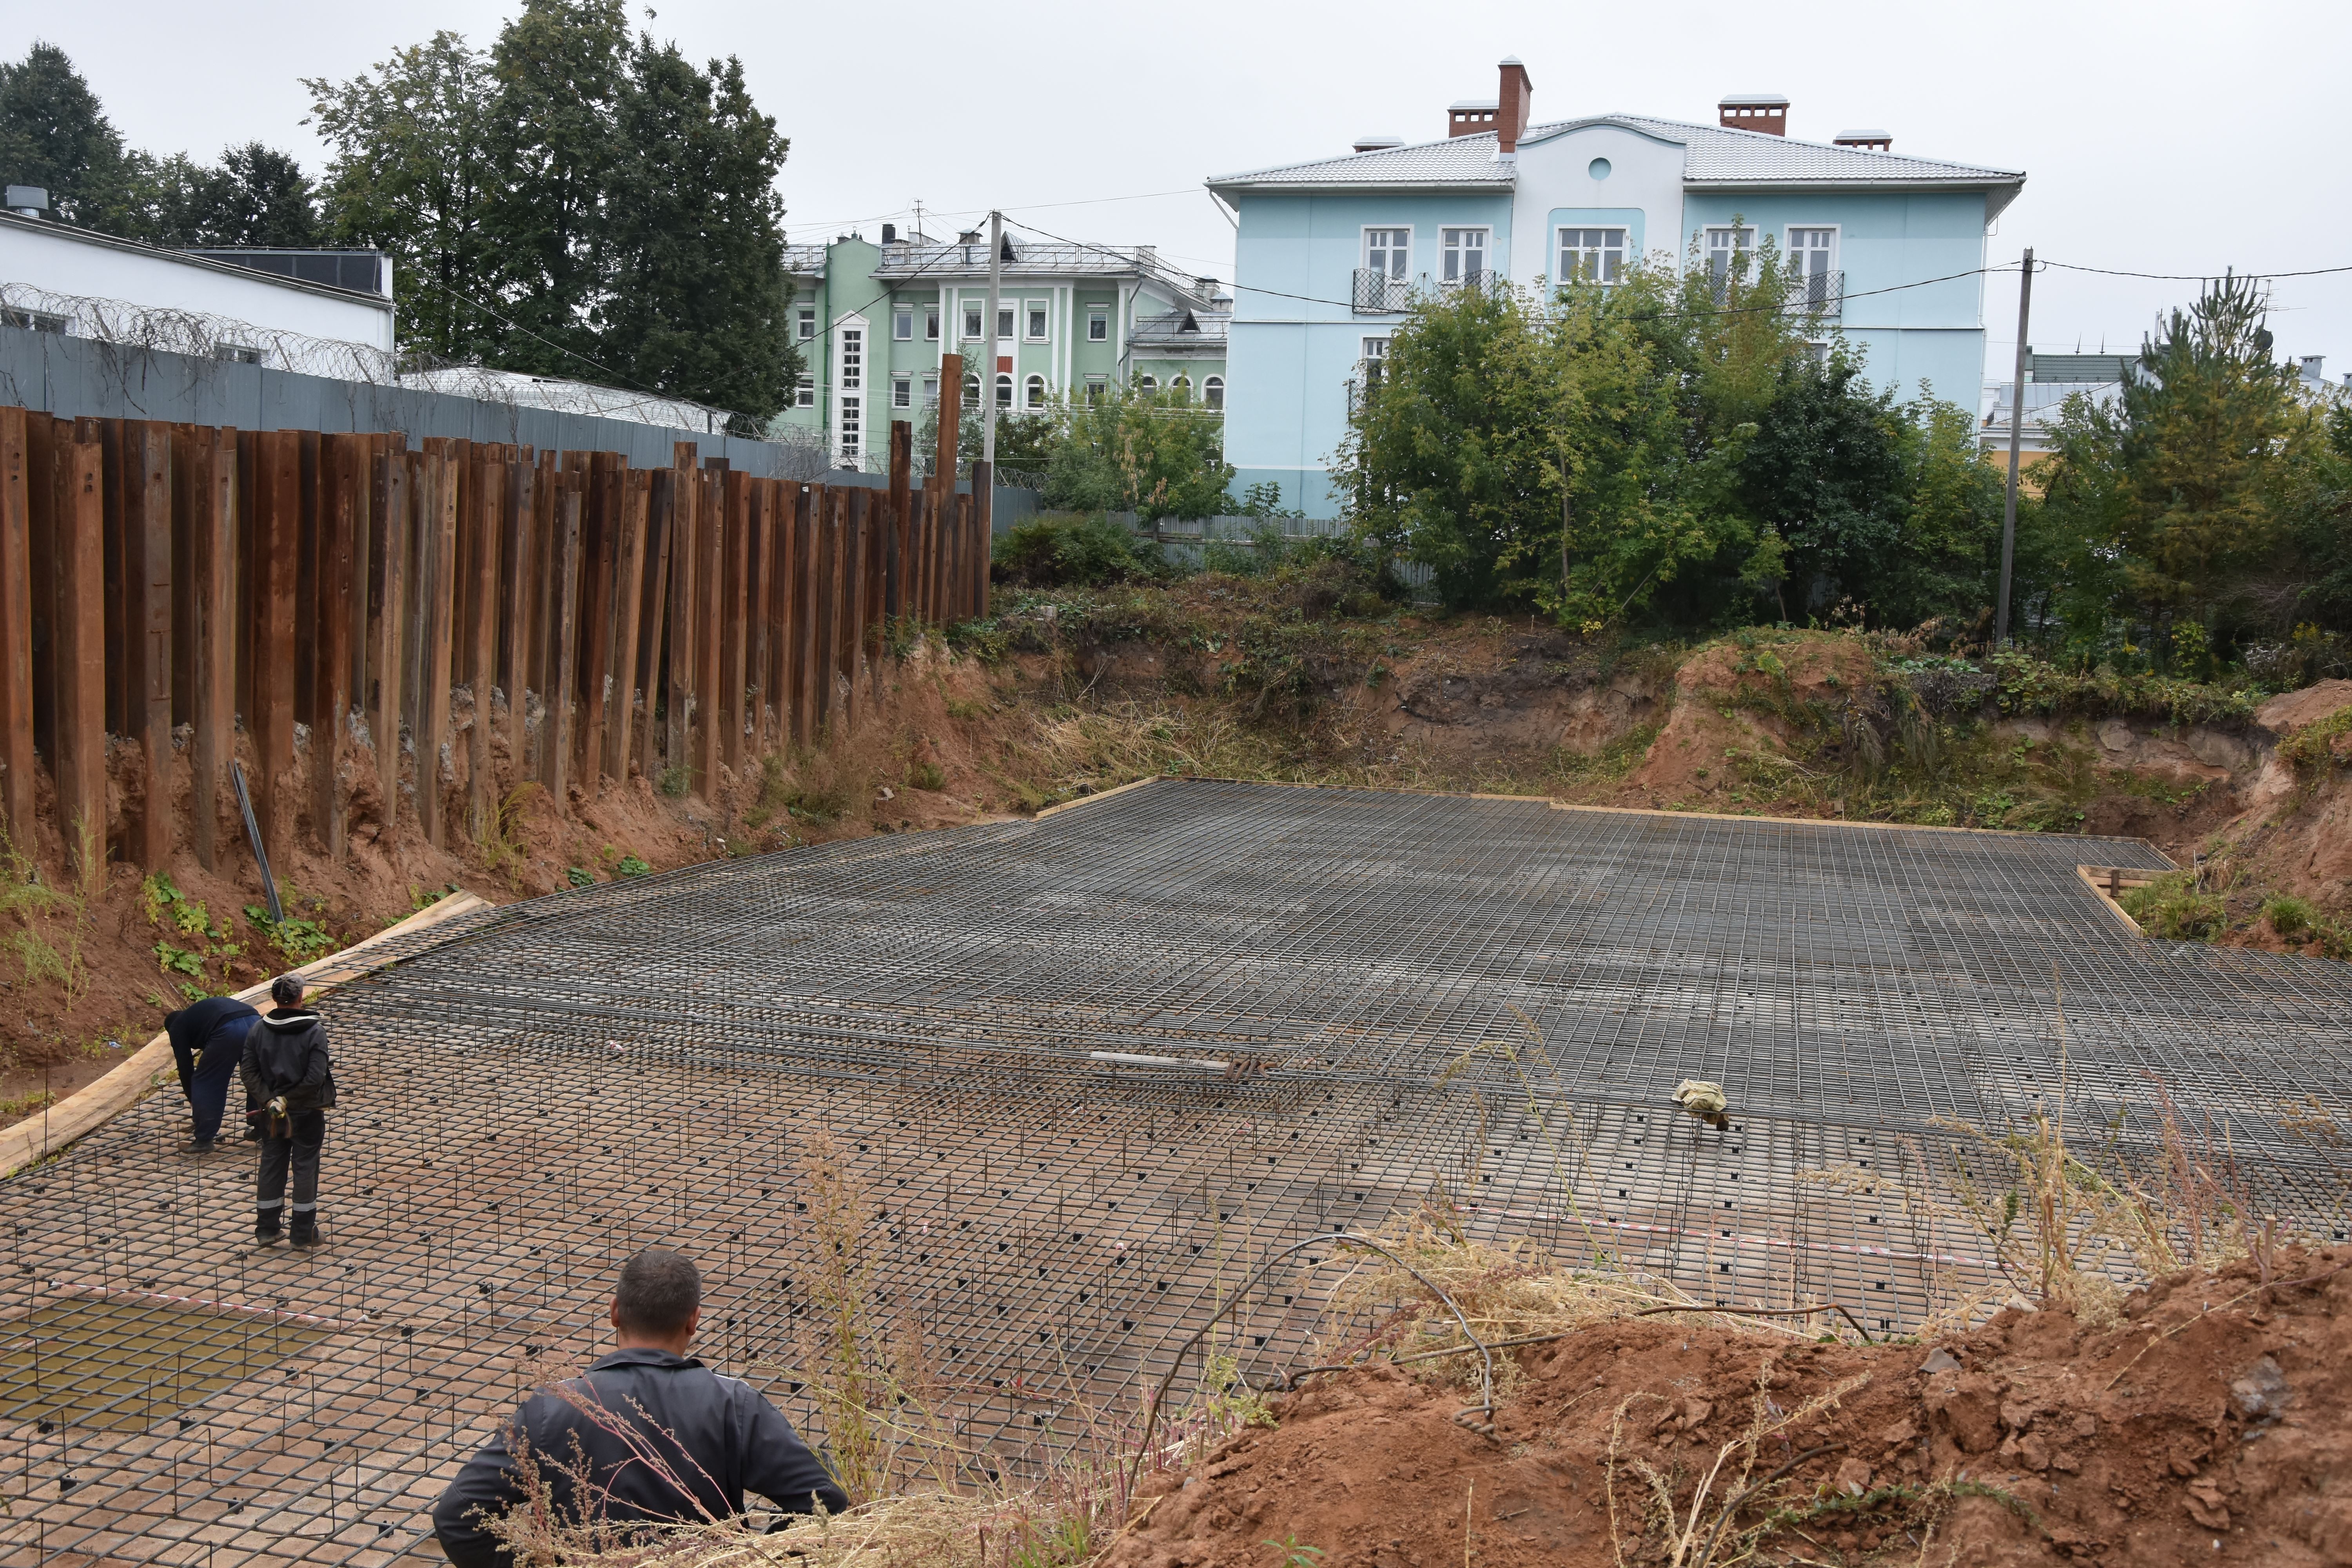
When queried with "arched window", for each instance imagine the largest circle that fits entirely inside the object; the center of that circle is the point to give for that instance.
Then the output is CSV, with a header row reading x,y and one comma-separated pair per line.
x,y
1148,383
972,392
1004,390
1182,387
1036,392
1212,392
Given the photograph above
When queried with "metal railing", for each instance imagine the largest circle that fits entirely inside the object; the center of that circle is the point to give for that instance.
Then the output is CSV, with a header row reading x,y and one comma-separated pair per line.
x,y
1817,293
1378,294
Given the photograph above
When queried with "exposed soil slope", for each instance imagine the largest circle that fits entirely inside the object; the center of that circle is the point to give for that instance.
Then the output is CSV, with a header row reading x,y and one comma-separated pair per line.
x,y
2209,1425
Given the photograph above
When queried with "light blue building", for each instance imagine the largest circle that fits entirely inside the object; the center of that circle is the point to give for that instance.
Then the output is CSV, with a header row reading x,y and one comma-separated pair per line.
x,y
1329,252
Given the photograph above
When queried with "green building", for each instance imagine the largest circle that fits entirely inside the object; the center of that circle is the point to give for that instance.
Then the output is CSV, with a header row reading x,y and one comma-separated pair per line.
x,y
873,320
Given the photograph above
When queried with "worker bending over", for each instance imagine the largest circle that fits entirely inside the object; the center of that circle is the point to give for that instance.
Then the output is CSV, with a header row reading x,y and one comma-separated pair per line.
x,y
208,1045
654,1435
289,1087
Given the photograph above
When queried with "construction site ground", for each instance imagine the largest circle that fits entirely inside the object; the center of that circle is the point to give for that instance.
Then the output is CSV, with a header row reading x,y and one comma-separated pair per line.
x,y
1081,1075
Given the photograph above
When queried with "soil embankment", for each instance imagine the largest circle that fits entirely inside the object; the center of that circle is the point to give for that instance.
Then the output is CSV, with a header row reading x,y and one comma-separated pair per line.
x,y
2212,1423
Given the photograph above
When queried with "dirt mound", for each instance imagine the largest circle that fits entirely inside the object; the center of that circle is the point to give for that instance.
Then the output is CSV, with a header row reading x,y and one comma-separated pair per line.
x,y
1732,699
2209,1424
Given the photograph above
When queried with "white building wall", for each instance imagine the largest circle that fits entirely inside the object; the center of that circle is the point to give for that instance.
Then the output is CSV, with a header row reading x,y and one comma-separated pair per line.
x,y
1557,184
55,259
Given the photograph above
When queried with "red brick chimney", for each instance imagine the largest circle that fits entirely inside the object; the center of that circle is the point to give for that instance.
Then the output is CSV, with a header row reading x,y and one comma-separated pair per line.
x,y
1868,140
1512,106
1765,112
1469,117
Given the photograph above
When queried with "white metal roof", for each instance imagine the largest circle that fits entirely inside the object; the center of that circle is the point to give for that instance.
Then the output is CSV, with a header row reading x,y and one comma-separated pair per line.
x,y
1714,156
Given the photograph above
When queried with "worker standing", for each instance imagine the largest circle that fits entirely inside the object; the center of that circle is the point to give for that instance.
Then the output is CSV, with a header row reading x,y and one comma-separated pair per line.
x,y
646,1434
208,1045
289,1087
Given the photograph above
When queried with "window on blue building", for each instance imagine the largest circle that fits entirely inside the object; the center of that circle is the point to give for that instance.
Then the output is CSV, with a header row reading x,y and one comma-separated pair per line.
x,y
1387,251
1593,255
1463,255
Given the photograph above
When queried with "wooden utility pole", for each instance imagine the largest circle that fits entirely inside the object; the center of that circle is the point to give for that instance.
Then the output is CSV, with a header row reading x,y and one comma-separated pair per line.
x,y
943,464
996,366
2016,428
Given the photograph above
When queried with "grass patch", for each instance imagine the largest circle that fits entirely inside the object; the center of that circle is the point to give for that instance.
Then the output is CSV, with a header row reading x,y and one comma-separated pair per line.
x,y
2175,907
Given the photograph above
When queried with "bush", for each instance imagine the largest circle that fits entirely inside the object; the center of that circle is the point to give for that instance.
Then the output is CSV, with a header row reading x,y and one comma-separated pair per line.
x,y
1057,550
2289,916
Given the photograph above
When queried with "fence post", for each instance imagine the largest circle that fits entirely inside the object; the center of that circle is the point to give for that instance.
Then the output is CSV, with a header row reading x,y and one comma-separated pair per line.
x,y
861,512
635,492
481,639
661,495
145,510
983,517
387,620
555,742
685,513
518,594
436,600
731,627
16,783
336,525
81,513
709,578
276,520
808,520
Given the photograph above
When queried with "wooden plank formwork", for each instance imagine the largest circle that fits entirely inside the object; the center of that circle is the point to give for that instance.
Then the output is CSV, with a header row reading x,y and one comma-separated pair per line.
x,y
18,788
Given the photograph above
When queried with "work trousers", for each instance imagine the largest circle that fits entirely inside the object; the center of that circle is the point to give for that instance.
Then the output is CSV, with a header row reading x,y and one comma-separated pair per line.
x,y
299,1154
205,1080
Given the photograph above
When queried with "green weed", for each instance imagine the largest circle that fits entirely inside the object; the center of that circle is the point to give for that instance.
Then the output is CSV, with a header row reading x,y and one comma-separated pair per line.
x,y
925,775
2173,907
579,876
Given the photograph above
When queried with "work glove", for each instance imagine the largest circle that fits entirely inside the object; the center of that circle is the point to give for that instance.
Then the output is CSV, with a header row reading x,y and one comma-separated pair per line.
x,y
277,1106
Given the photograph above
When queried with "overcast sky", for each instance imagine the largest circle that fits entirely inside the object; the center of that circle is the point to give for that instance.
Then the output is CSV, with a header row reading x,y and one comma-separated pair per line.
x,y
2157,136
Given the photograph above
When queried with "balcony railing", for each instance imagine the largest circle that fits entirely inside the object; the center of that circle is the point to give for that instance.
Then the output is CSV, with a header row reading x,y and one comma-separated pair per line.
x,y
1817,293
1378,294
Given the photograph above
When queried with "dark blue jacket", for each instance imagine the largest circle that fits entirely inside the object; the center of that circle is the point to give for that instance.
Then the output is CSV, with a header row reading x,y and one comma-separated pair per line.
x,y
717,1436
214,1023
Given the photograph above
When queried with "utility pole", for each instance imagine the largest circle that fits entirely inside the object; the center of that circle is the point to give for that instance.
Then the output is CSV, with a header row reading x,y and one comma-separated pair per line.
x,y
2016,429
988,382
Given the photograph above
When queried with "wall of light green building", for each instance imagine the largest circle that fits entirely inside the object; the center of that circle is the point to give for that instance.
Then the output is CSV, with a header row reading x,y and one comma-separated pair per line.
x,y
1064,358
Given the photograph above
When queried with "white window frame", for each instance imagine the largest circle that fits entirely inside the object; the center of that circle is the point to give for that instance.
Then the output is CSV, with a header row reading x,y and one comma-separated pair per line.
x,y
1403,264
852,346
1098,323
974,315
1004,389
1375,348
932,391
902,324
1744,239
1033,392
1212,393
931,324
806,329
1451,250
1097,388
1835,232
1039,314
804,396
1182,387
902,391
1621,254
1147,384
1008,316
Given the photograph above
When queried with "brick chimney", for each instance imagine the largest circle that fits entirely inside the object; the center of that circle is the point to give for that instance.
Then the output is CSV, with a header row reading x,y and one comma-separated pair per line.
x,y
1765,112
1512,104
1868,140
1469,117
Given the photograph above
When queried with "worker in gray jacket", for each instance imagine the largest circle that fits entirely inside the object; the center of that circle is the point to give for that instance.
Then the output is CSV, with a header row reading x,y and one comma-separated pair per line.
x,y
647,1436
289,1087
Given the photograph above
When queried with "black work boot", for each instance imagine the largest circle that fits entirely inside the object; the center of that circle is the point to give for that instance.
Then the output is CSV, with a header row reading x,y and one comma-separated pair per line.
x,y
266,1227
306,1228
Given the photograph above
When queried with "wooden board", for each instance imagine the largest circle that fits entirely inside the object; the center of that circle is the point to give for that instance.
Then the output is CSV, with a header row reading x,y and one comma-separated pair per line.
x,y
274,521
210,500
79,481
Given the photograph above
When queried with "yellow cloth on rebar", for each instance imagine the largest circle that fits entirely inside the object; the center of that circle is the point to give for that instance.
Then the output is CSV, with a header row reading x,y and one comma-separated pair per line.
x,y
1701,1098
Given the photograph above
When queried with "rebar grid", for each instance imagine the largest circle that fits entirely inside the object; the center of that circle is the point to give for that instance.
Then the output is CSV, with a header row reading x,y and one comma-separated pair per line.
x,y
1482,998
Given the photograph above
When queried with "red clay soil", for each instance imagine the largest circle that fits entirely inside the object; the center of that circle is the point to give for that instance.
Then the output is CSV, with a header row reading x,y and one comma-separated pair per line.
x,y
2209,1425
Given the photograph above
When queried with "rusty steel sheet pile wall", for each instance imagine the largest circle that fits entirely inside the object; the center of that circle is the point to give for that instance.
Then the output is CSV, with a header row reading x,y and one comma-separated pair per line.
x,y
1017,1041
323,594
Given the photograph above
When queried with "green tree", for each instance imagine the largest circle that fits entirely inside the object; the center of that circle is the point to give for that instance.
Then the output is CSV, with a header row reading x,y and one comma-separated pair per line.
x,y
555,133
697,301
1150,452
2166,505
255,195
54,133
411,172
2319,505
1826,473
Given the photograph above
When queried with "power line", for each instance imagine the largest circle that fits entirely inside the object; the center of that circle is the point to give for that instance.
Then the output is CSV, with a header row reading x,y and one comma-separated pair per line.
x,y
2195,276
